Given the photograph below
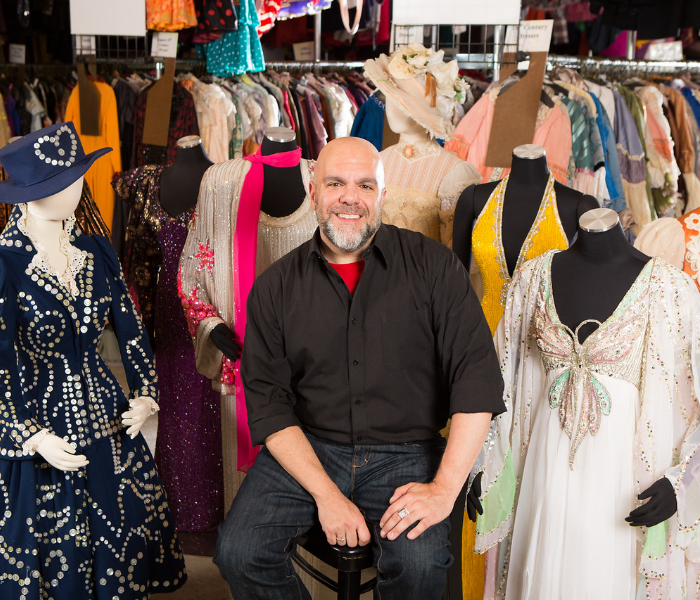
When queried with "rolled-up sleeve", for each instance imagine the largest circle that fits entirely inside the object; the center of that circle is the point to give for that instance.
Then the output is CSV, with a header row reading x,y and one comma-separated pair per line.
x,y
463,341
264,368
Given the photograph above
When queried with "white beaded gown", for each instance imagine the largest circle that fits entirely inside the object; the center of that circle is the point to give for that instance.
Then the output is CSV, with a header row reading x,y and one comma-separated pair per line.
x,y
589,426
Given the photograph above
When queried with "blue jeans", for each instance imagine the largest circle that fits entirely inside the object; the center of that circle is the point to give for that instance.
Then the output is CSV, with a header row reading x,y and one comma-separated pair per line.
x,y
257,538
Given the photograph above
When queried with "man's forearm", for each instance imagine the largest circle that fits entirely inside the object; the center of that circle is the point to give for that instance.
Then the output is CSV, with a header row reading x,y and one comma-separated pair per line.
x,y
292,450
467,434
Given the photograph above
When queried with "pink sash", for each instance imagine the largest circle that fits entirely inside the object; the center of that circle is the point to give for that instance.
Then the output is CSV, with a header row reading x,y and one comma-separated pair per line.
x,y
245,247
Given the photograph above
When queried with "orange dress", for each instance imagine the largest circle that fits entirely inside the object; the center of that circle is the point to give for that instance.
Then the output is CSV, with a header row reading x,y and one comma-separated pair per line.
x,y
170,15
99,176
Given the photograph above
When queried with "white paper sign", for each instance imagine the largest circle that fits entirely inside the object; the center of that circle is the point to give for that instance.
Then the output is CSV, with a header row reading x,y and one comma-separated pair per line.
x,y
108,17
164,44
18,54
535,36
85,44
455,12
408,35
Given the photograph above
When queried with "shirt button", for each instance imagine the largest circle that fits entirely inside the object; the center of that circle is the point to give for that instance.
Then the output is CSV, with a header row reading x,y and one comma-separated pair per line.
x,y
359,438
355,362
354,321
358,401
340,280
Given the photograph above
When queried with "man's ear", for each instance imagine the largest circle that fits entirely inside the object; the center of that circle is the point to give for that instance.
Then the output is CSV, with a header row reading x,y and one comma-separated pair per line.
x,y
312,194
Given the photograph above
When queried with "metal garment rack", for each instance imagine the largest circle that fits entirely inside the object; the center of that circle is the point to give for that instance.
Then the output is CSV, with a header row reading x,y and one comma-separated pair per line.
x,y
595,65
312,65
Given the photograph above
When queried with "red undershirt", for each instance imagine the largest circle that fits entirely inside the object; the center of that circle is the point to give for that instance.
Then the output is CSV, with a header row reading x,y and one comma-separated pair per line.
x,y
351,273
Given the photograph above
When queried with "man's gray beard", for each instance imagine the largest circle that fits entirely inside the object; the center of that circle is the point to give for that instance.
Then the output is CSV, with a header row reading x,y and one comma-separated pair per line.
x,y
349,240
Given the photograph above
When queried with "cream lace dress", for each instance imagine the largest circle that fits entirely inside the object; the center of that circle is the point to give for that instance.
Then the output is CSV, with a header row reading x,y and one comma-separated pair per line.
x,y
423,189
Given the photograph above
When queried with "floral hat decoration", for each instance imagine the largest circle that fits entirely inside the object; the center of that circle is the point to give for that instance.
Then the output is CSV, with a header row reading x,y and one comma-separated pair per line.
x,y
422,85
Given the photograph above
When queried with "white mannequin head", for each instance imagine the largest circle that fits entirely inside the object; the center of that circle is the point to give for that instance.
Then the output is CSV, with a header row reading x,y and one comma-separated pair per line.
x,y
404,125
57,207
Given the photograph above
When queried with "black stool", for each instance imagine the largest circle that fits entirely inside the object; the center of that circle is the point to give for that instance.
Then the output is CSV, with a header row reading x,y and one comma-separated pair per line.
x,y
348,561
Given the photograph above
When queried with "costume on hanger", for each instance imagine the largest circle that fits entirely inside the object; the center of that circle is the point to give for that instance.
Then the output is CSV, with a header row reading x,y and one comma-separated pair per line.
x,y
188,446
471,137
170,15
183,122
104,530
100,175
588,427
239,51
545,233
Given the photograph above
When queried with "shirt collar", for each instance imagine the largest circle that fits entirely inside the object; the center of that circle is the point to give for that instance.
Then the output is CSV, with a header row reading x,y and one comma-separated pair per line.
x,y
380,245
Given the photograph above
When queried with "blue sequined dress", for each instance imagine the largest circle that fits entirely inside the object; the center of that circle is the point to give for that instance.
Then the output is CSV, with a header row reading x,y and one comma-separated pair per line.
x,y
105,530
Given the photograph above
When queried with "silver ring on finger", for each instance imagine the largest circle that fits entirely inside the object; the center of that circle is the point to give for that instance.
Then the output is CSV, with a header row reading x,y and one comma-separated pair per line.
x,y
403,513
340,540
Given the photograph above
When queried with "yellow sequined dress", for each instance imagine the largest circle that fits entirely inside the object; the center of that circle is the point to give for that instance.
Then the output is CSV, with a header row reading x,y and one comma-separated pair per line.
x,y
545,234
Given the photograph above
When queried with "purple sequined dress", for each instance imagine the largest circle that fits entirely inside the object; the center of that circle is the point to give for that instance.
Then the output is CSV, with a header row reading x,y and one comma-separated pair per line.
x,y
188,447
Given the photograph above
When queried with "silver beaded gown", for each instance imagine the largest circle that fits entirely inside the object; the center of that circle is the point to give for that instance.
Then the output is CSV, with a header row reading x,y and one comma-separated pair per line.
x,y
105,530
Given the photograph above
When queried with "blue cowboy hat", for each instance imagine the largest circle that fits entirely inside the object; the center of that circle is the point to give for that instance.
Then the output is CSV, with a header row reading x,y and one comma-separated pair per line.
x,y
44,163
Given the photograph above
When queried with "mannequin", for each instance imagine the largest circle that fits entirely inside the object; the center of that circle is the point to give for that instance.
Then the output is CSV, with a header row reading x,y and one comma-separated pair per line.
x,y
179,184
284,188
282,195
161,202
45,222
613,396
71,439
213,288
523,196
423,180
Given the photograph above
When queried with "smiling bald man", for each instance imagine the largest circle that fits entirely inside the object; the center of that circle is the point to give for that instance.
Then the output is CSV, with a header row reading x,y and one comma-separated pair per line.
x,y
359,345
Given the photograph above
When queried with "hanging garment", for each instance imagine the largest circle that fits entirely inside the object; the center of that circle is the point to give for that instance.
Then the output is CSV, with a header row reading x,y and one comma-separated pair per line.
x,y
101,173
546,233
104,530
170,15
593,425
369,122
183,122
239,51
630,156
471,138
216,15
188,447
422,180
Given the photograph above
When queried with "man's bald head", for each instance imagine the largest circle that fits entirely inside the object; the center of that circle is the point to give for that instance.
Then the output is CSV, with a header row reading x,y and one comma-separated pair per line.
x,y
347,192
342,151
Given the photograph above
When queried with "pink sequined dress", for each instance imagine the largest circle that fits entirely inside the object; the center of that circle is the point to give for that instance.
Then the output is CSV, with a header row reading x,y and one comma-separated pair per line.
x,y
188,447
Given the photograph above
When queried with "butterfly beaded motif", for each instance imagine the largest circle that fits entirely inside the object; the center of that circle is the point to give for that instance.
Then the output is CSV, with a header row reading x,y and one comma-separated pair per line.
x,y
615,349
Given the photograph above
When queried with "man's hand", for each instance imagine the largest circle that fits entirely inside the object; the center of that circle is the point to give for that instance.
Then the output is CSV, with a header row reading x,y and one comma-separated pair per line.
x,y
425,503
342,522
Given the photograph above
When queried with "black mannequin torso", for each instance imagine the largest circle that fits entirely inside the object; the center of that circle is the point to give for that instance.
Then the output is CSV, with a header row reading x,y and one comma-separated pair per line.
x,y
591,278
284,190
523,197
179,184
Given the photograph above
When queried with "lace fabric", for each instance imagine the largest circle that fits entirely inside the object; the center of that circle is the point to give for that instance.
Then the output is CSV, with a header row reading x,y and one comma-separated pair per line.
x,y
41,263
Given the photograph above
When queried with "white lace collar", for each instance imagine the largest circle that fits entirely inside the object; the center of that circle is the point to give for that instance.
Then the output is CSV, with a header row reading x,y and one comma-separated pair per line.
x,y
40,262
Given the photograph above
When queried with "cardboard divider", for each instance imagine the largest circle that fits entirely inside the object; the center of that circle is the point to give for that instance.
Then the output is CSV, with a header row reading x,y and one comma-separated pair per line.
x,y
159,101
89,98
515,113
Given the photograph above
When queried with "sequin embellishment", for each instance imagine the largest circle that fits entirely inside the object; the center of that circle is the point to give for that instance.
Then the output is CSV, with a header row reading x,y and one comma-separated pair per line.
x,y
615,350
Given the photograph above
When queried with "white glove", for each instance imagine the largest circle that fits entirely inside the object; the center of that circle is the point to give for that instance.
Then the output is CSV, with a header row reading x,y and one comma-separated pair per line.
x,y
134,418
60,454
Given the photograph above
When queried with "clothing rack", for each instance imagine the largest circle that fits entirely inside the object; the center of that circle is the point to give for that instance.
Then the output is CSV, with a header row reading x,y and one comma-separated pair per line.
x,y
314,65
622,66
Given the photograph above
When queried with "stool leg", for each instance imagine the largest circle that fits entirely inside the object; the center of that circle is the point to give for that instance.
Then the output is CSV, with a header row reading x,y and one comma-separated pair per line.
x,y
349,585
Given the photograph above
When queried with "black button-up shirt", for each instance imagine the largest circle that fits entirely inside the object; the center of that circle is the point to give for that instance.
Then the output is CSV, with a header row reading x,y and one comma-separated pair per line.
x,y
385,366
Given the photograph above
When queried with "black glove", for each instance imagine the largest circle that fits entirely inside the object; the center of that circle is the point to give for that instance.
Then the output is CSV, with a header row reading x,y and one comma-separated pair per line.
x,y
661,505
223,338
473,503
